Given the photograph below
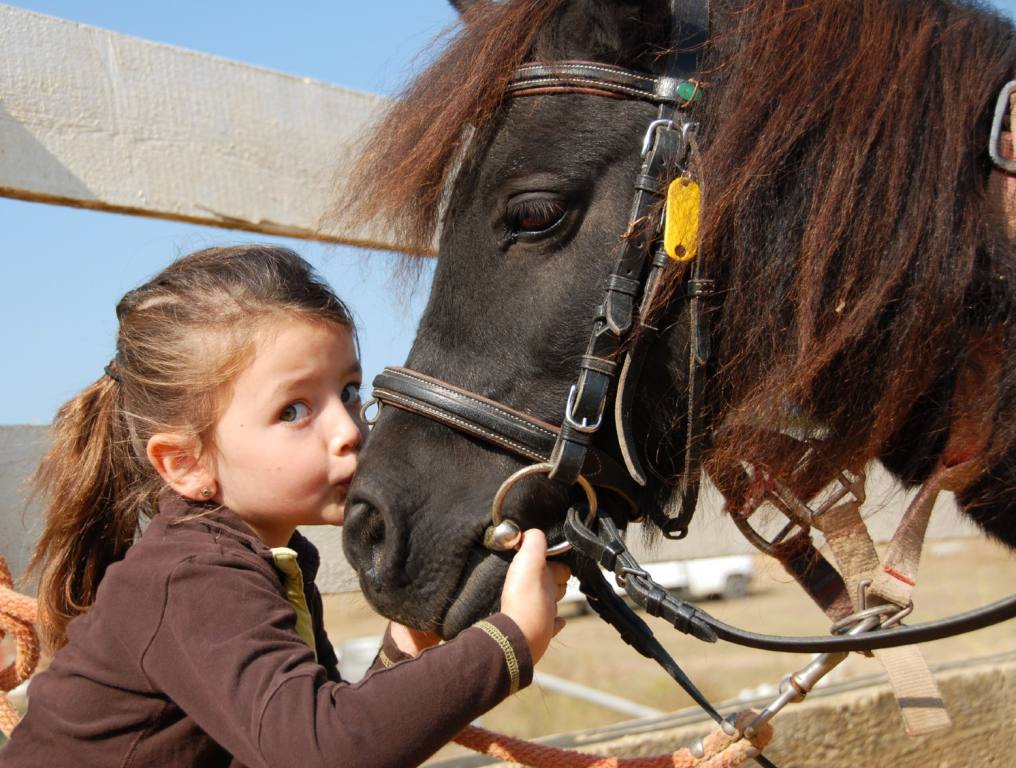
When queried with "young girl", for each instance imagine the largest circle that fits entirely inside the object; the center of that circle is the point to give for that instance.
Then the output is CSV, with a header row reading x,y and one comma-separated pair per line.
x,y
229,416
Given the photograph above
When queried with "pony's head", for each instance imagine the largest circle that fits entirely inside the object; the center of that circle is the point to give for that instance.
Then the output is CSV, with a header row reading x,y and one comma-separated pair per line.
x,y
844,218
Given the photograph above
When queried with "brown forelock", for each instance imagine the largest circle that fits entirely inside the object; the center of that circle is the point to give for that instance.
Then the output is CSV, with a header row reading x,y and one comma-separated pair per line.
x,y
410,155
845,215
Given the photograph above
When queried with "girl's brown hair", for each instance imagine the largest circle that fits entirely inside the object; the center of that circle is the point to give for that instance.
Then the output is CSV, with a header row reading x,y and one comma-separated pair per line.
x,y
183,338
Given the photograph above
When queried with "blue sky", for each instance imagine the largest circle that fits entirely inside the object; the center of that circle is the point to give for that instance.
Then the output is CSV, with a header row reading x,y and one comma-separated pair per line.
x,y
62,270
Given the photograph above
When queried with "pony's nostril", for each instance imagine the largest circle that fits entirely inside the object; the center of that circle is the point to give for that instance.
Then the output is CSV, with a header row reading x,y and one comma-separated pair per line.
x,y
365,536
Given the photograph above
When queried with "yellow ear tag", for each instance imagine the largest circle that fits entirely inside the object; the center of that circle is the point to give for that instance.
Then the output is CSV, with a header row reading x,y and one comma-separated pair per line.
x,y
681,220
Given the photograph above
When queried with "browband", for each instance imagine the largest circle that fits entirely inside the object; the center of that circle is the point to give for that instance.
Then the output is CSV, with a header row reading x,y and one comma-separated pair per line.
x,y
586,76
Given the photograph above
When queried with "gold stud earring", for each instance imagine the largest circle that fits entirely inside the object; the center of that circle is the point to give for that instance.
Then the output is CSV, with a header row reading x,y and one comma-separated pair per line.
x,y
206,493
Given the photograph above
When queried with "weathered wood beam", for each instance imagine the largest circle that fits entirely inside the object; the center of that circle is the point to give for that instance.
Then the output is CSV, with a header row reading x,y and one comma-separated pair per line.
x,y
94,119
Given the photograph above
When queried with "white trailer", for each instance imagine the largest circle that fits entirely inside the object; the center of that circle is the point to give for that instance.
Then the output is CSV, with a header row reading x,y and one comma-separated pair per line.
x,y
728,577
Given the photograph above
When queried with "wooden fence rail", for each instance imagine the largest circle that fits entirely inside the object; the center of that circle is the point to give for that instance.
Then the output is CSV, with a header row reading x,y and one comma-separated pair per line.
x,y
94,119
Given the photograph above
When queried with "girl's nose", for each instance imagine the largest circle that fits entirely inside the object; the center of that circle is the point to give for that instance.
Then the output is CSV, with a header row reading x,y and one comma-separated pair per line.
x,y
347,433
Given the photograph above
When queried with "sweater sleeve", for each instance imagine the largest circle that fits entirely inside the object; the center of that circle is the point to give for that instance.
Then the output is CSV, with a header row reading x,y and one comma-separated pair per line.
x,y
389,654
226,652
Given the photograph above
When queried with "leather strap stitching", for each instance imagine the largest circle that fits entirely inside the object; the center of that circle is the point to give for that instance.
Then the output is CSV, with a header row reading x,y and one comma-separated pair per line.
x,y
479,402
467,426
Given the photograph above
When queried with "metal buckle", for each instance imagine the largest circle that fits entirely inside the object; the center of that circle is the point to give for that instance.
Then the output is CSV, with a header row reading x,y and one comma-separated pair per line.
x,y
760,542
889,614
799,515
647,142
620,577
1001,108
767,494
798,510
584,427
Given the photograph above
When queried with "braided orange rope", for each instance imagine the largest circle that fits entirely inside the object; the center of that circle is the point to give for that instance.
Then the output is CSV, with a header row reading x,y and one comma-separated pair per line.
x,y
18,614
720,750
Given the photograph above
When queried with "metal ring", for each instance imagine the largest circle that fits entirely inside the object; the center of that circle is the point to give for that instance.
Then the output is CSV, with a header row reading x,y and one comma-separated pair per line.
x,y
849,622
370,422
897,617
544,468
1001,107
620,576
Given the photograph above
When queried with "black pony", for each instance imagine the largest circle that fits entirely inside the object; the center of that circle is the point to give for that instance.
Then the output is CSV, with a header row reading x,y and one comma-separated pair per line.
x,y
861,263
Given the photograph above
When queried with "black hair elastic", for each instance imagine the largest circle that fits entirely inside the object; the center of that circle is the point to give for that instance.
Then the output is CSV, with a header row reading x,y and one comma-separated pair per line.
x,y
110,370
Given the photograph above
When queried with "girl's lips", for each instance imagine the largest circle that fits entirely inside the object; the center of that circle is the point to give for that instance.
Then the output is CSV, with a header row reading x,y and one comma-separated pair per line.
x,y
340,491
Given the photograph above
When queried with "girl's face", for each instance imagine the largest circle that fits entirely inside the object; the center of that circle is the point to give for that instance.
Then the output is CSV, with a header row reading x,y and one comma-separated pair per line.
x,y
286,444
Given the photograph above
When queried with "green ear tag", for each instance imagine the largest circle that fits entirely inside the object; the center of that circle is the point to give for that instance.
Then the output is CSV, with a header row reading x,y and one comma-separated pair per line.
x,y
681,220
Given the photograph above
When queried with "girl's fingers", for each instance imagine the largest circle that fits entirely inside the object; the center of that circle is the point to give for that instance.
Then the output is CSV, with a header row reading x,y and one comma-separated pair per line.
x,y
412,641
532,549
528,595
560,571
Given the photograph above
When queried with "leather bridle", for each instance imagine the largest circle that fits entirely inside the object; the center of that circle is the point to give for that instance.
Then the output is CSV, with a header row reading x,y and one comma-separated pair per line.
x,y
608,373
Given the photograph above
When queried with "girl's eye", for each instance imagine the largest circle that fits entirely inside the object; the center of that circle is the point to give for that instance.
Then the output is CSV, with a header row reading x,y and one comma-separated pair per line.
x,y
294,412
351,393
534,213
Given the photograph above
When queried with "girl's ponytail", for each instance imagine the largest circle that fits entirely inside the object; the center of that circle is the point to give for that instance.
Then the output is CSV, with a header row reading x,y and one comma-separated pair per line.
x,y
89,479
183,337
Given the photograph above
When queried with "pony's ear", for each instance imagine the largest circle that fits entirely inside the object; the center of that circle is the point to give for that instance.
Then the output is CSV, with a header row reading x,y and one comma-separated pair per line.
x,y
462,5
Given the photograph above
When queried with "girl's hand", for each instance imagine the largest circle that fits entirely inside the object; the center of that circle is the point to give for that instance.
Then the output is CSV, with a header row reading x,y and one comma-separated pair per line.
x,y
531,591
412,641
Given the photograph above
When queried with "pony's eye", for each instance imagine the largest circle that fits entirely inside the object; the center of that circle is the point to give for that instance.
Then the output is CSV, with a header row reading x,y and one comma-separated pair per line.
x,y
294,412
534,213
351,393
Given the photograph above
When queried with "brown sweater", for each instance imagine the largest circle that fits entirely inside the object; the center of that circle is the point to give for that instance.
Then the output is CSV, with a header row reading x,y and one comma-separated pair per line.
x,y
190,657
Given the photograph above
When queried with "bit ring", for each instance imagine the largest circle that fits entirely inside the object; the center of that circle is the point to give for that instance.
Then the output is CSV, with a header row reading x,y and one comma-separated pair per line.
x,y
544,468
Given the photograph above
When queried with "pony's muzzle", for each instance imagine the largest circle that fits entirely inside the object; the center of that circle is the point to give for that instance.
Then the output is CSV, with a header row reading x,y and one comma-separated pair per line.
x,y
364,540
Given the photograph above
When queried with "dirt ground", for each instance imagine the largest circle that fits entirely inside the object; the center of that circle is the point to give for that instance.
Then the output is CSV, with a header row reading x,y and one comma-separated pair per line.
x,y
956,575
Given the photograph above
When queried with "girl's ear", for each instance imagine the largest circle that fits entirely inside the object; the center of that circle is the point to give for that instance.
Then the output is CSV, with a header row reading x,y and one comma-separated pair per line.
x,y
180,463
